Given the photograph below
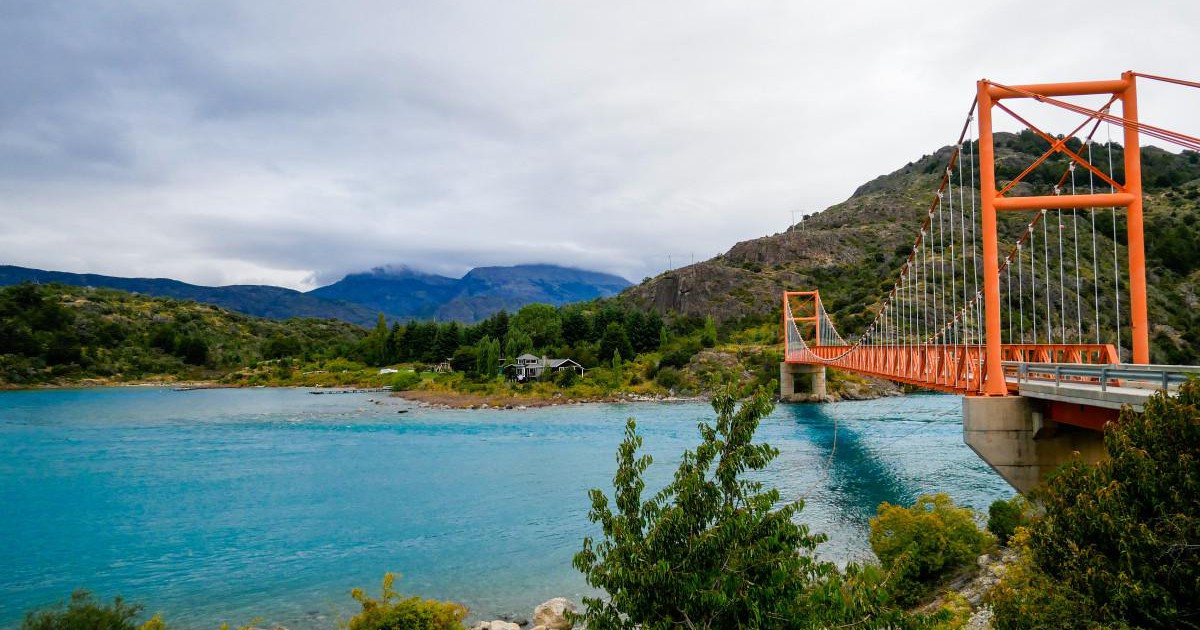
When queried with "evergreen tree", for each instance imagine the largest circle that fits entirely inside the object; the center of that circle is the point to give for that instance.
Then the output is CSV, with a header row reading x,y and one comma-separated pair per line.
x,y
614,341
575,327
708,335
448,338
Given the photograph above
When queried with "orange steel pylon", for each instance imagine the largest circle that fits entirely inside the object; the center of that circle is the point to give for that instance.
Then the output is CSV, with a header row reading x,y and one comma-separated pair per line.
x,y
804,307
1128,196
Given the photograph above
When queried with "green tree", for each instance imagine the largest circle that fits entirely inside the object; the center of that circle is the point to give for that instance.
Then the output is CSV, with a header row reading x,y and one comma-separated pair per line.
x,y
395,339
575,327
708,335
541,322
465,359
1118,544
644,330
710,550
617,370
447,340
487,353
375,346
615,340
517,342
1004,517
192,349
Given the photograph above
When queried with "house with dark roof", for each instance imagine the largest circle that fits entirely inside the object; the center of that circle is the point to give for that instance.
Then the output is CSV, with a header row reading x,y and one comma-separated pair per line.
x,y
528,367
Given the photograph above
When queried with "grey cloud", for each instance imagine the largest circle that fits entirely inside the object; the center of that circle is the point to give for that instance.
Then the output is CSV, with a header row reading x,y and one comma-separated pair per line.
x,y
296,141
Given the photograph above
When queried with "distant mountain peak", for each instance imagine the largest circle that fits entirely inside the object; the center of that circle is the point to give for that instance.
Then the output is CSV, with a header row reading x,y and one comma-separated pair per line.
x,y
403,292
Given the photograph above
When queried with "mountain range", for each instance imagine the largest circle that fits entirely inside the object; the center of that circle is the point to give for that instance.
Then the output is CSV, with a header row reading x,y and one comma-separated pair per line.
x,y
397,292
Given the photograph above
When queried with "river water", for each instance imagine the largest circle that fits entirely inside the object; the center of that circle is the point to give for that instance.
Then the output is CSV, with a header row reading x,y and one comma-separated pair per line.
x,y
271,504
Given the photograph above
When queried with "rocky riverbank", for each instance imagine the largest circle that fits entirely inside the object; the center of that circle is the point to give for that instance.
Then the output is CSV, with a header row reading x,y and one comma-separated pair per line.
x,y
443,399
550,615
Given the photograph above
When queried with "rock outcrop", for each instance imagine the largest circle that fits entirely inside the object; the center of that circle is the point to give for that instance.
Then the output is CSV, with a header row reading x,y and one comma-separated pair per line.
x,y
552,615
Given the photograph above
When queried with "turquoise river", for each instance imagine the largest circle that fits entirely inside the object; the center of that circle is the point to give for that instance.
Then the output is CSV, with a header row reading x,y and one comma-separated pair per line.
x,y
271,504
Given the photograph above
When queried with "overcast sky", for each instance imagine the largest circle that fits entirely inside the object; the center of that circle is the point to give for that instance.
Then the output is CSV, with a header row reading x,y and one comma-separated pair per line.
x,y
291,142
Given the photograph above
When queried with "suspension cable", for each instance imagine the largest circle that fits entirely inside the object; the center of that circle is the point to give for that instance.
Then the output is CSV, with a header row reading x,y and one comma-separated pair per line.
x,y
1116,263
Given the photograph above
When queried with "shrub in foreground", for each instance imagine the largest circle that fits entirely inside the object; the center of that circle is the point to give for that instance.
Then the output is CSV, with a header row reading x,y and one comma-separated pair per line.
x,y
1118,544
393,612
83,612
923,543
1004,517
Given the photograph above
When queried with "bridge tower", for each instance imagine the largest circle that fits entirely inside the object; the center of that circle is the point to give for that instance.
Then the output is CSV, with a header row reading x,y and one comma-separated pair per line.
x,y
1014,434
1127,195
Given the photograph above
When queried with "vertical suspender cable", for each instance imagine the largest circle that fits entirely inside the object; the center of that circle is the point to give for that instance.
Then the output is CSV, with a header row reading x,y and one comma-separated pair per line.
x,y
974,256
1033,281
1021,287
1062,290
962,226
1116,265
1046,275
1008,295
1095,256
946,312
1075,245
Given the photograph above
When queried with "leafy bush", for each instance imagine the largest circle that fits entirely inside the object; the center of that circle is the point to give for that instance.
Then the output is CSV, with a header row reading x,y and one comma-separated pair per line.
x,y
1004,517
393,612
680,356
1118,544
669,377
85,613
405,380
566,378
922,543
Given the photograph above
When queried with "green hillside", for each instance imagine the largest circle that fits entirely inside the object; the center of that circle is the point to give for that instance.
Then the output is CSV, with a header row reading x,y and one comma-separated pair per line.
x,y
60,333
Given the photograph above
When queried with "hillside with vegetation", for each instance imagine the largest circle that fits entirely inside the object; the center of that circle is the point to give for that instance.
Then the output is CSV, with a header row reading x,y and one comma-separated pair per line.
x,y
65,334
853,251
61,335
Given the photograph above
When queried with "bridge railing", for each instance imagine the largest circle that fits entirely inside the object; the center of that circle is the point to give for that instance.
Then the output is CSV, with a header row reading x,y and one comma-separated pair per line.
x,y
1138,376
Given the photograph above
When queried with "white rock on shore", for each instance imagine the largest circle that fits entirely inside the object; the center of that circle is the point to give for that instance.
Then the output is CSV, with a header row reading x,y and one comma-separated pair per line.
x,y
498,624
552,615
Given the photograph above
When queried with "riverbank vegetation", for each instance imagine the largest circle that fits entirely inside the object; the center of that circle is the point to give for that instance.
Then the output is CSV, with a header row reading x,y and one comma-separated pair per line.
x,y
66,335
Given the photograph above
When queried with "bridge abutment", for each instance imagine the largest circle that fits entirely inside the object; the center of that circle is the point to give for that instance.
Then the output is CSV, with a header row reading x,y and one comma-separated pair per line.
x,y
800,382
1012,434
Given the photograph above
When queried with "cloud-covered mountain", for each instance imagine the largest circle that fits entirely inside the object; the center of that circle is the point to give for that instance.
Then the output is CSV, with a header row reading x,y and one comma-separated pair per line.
x,y
398,292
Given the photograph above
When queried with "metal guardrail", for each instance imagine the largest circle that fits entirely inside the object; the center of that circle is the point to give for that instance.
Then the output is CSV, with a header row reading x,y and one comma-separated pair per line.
x,y
1116,374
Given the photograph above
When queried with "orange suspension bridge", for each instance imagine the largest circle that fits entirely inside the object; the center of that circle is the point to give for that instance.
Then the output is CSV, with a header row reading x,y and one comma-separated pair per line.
x,y
1058,312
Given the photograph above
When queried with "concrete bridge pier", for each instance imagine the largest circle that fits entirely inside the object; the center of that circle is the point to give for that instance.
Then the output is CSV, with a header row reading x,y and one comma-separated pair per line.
x,y
801,382
1014,436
